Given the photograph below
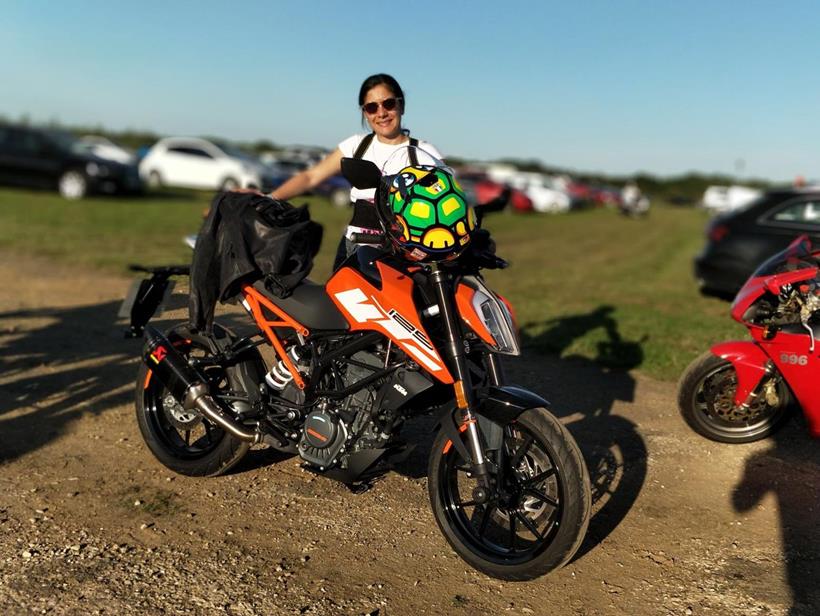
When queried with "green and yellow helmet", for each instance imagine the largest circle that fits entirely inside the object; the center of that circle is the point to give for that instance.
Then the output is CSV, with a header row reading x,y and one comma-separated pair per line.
x,y
431,219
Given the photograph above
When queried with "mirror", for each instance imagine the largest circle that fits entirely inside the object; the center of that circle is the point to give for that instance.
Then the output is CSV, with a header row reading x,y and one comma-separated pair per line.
x,y
362,174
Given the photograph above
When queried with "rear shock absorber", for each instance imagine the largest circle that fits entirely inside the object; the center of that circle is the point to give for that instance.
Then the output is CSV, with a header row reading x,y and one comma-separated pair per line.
x,y
279,376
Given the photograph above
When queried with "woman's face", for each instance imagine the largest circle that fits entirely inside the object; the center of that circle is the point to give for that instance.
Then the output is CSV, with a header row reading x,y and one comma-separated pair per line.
x,y
385,123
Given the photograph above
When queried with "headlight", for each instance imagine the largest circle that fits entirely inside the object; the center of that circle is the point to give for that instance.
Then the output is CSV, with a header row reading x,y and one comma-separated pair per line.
x,y
488,316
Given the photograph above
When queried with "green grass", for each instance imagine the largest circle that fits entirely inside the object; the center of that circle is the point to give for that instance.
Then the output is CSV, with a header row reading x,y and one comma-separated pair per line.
x,y
592,283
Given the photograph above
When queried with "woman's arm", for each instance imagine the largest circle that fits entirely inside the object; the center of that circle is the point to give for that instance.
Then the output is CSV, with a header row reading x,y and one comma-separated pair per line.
x,y
303,181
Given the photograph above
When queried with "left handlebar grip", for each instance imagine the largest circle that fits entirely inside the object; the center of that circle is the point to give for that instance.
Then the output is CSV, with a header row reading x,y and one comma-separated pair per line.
x,y
367,238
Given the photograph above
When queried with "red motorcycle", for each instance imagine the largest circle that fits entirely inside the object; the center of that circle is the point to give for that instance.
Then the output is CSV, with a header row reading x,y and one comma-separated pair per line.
x,y
741,391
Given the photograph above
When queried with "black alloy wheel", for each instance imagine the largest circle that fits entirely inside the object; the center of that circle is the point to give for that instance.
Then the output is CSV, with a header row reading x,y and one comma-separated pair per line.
x,y
537,517
182,439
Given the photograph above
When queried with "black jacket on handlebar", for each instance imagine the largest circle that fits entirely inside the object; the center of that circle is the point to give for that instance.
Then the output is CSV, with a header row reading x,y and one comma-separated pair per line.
x,y
246,237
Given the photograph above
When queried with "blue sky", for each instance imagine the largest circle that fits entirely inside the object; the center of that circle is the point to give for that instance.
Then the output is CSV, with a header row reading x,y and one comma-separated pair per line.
x,y
619,87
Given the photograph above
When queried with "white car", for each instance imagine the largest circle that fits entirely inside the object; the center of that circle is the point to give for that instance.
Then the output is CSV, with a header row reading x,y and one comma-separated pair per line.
x,y
198,163
545,198
728,198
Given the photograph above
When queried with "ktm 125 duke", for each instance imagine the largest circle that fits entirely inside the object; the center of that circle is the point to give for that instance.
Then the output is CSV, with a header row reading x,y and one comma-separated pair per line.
x,y
741,391
403,328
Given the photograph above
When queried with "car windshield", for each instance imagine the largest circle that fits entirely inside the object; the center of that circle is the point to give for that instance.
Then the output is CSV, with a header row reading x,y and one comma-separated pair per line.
x,y
797,255
66,141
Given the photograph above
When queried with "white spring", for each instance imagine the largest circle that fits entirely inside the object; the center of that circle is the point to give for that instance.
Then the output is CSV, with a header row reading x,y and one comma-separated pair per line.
x,y
279,376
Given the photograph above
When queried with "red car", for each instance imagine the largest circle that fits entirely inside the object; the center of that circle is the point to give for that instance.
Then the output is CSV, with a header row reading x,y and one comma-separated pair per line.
x,y
484,189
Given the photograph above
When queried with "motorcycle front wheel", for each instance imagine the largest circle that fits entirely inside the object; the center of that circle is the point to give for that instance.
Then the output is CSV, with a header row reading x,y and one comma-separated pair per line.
x,y
536,518
181,439
706,394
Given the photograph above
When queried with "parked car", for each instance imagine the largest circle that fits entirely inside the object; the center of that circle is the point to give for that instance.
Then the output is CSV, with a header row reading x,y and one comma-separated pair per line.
x,y
544,197
207,165
481,189
336,188
738,241
107,149
52,159
728,198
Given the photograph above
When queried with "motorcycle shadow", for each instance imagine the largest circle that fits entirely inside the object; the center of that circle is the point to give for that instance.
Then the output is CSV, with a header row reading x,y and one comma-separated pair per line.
x,y
584,392
58,364
789,469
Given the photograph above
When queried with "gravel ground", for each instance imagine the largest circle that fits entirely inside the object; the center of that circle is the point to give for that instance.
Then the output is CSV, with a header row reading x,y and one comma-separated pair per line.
x,y
90,523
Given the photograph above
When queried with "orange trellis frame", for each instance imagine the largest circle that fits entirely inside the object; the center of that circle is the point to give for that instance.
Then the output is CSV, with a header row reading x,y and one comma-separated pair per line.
x,y
256,302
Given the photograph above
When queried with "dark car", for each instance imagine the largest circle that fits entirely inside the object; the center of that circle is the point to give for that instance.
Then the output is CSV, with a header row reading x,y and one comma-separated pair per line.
x,y
738,241
335,188
42,158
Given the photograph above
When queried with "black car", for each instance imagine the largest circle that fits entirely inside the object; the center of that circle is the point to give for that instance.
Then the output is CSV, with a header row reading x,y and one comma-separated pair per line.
x,y
43,158
738,241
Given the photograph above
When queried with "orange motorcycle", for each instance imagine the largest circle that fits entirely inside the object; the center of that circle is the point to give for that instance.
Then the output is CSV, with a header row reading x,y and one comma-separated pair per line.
x,y
405,327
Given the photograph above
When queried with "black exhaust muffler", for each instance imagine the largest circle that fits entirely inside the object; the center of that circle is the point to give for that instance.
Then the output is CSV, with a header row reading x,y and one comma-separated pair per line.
x,y
189,387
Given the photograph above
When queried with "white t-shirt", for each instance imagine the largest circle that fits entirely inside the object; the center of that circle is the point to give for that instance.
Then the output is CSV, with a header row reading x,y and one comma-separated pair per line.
x,y
379,153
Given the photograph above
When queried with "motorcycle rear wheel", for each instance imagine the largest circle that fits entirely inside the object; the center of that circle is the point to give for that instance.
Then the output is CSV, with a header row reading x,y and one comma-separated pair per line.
x,y
538,524
184,441
706,392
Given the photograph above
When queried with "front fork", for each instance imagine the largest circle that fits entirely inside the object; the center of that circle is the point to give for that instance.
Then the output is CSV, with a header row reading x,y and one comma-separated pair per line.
x,y
482,468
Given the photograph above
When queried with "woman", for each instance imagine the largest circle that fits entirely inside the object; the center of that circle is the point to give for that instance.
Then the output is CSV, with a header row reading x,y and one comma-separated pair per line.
x,y
381,100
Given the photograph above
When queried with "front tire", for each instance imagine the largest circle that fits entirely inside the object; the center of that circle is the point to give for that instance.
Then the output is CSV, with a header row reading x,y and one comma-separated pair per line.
x,y
183,440
155,180
536,521
706,393
229,184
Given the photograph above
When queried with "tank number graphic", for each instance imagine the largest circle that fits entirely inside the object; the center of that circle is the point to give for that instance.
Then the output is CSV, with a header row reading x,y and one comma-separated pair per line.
x,y
794,359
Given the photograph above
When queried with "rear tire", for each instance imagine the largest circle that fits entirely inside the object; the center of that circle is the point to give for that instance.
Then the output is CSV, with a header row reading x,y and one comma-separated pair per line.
x,y
184,441
340,198
706,392
72,185
545,511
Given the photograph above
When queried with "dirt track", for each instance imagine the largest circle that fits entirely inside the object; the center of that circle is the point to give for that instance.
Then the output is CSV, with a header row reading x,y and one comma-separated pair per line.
x,y
91,523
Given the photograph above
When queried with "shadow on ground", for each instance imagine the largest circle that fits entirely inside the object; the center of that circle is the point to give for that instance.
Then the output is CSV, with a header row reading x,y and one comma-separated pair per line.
x,y
583,391
790,470
57,364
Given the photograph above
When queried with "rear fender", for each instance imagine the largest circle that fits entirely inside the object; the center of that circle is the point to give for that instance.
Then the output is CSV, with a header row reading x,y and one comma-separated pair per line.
x,y
498,407
749,361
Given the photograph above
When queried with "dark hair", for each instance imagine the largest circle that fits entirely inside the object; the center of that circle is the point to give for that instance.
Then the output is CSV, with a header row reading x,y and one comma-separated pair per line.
x,y
381,79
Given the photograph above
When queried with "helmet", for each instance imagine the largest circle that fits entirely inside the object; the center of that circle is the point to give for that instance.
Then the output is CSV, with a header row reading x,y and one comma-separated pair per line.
x,y
427,215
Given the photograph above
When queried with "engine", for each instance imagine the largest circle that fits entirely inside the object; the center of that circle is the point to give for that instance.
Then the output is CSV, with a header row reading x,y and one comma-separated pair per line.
x,y
336,428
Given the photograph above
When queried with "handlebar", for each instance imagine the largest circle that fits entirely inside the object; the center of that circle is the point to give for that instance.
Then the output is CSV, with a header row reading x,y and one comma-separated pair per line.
x,y
367,238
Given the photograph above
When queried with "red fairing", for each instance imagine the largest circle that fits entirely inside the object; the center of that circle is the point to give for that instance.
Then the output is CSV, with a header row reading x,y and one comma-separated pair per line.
x,y
389,310
755,287
749,361
800,368
748,294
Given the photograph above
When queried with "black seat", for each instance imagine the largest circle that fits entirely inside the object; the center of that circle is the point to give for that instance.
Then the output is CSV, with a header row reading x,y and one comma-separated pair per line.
x,y
309,304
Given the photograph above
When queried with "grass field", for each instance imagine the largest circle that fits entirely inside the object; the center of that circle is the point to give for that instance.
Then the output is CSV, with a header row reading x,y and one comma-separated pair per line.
x,y
592,284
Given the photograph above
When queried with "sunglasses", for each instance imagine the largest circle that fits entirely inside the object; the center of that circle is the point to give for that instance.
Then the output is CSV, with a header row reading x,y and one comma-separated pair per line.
x,y
389,104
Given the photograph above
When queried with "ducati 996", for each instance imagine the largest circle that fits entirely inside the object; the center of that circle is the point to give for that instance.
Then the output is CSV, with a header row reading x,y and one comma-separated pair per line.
x,y
741,391
405,326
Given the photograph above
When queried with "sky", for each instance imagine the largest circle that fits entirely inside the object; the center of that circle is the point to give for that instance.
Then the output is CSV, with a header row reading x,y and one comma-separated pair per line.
x,y
614,87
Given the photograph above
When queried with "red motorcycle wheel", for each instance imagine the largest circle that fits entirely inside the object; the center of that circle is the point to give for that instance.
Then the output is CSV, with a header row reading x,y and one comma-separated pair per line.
x,y
706,393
